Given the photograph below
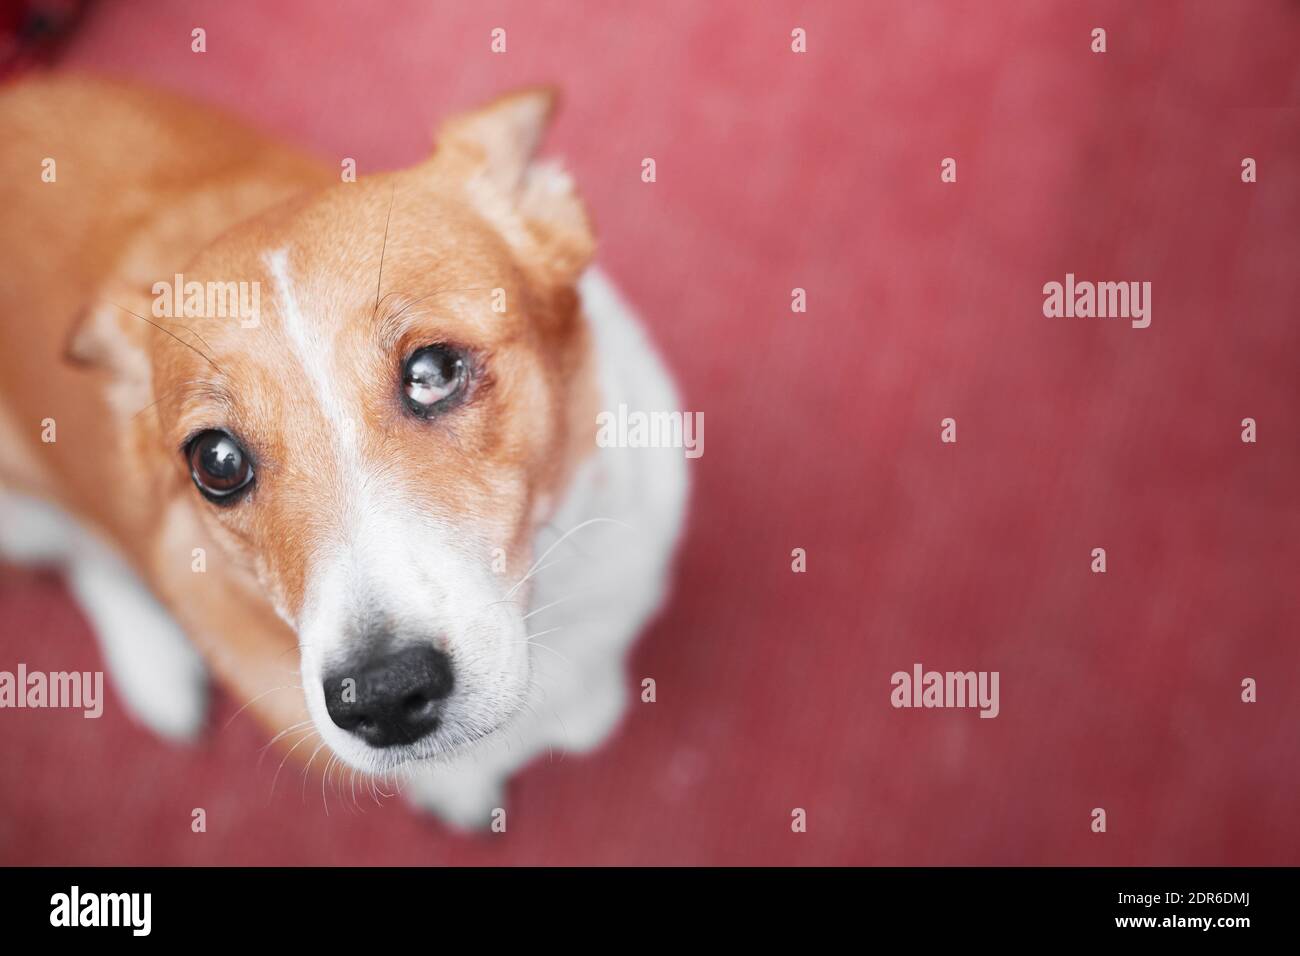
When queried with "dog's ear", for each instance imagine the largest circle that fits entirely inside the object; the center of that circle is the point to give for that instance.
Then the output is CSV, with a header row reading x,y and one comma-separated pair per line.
x,y
106,336
533,204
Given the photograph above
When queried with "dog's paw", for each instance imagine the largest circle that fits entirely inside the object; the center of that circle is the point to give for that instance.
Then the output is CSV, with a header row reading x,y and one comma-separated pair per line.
x,y
175,706
464,801
158,674
161,680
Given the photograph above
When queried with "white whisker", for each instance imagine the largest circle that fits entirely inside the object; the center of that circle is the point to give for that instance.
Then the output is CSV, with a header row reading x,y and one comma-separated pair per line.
x,y
564,537
256,699
285,758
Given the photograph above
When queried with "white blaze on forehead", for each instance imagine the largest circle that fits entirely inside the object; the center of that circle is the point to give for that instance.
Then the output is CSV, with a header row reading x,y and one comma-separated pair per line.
x,y
312,351
314,354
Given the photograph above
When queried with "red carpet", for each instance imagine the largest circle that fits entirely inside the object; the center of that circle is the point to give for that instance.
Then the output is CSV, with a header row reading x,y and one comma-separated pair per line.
x,y
821,171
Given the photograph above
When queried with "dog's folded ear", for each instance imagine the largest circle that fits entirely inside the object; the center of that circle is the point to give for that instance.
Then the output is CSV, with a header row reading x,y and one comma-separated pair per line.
x,y
106,336
499,140
533,204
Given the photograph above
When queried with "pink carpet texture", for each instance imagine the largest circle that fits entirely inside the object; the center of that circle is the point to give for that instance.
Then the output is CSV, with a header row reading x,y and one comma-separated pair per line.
x,y
822,171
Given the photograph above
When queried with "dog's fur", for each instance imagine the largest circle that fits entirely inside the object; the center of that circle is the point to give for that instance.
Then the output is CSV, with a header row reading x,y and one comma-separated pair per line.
x,y
500,532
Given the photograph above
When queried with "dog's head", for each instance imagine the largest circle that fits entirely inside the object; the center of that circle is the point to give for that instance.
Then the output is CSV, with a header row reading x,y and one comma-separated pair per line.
x,y
377,434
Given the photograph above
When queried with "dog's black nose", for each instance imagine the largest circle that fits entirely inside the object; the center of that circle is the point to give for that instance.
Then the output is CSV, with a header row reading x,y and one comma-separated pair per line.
x,y
395,699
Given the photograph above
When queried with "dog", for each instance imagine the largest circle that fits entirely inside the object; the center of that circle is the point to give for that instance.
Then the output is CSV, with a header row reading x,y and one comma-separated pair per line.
x,y
376,465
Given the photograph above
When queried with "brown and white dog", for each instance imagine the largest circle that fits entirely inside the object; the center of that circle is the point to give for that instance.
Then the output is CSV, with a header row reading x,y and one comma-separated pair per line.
x,y
386,468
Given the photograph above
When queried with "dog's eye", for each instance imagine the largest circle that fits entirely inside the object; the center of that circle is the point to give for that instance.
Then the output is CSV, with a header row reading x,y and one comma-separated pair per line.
x,y
219,465
433,377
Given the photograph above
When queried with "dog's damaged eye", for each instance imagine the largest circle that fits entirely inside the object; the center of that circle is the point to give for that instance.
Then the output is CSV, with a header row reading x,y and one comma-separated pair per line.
x,y
432,378
219,466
